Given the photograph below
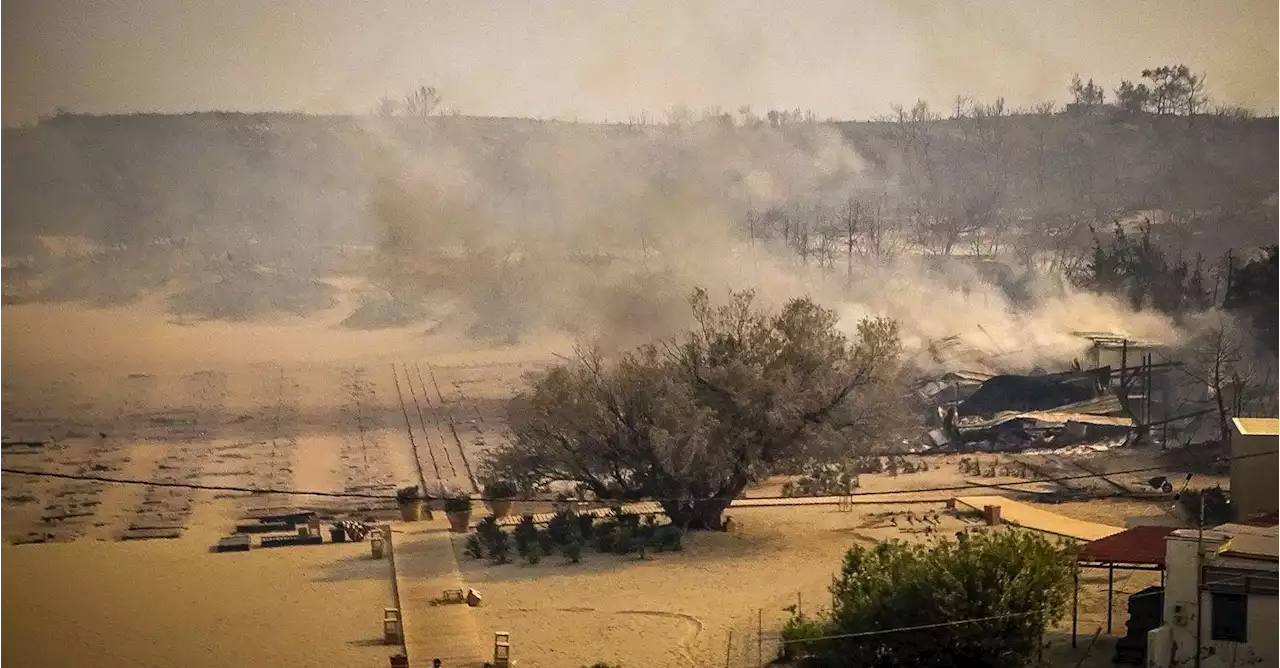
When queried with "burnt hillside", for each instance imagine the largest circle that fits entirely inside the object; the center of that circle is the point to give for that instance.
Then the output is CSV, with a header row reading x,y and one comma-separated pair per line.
x,y
306,179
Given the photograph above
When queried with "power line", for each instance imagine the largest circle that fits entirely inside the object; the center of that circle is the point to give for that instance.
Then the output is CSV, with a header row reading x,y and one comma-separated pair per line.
x,y
892,492
918,627
190,485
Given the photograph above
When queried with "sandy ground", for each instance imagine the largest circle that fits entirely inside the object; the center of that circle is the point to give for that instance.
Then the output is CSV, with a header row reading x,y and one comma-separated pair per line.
x,y
302,405
713,600
172,602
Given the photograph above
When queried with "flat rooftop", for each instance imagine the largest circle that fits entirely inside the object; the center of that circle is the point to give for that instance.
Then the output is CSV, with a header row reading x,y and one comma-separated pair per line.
x,y
1257,426
1251,542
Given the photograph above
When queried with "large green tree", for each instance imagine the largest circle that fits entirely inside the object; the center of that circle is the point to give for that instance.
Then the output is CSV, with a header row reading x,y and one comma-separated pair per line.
x,y
693,421
1013,583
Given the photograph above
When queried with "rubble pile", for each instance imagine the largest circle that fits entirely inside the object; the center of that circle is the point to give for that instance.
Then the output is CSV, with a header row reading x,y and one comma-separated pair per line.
x,y
970,410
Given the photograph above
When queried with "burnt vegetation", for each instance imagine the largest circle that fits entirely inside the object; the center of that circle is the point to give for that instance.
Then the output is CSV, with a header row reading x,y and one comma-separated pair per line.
x,y
202,205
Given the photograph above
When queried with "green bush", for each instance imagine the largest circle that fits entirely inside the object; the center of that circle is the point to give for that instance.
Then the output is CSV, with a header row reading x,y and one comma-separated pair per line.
x,y
546,543
475,546
669,537
526,534
573,550
500,548
585,525
1217,505
1019,580
533,556
560,526
487,527
605,535
797,637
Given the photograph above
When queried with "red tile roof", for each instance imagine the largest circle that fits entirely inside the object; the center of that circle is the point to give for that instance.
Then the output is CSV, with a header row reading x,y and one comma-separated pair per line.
x,y
1137,546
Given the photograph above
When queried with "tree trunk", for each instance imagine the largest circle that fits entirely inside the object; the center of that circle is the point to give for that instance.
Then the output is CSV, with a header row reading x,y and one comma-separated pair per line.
x,y
698,514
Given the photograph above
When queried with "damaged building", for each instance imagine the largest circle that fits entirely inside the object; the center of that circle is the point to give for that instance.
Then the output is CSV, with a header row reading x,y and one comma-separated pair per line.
x,y
1109,395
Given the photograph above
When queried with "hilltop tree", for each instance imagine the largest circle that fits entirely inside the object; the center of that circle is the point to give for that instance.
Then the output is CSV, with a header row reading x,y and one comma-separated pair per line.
x,y
1171,90
421,102
1131,97
691,422
1018,581
1086,94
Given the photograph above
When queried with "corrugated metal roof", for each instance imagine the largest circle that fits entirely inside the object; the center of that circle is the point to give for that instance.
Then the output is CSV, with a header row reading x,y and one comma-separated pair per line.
x,y
1045,417
1136,546
1257,426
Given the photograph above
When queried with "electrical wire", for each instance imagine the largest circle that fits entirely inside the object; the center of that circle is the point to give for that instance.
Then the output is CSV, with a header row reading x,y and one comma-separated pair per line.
x,y
919,627
190,485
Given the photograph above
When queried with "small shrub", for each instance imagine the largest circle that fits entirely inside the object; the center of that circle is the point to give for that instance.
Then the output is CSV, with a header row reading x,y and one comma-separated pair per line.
x,y
797,630
645,534
546,543
475,546
560,526
602,664
605,537
621,543
533,557
573,550
408,494
488,527
500,548
526,534
1217,505
669,537
585,527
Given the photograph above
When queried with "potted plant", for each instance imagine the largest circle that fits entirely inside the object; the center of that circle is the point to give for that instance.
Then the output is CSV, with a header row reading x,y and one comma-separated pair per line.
x,y
409,499
458,509
498,495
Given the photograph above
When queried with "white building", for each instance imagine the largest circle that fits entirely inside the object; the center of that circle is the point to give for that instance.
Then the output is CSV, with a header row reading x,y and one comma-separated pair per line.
x,y
1222,600
1254,487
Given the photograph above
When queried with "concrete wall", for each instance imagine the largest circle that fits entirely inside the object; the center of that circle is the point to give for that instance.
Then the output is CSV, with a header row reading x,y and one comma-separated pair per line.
x,y
1254,481
1174,643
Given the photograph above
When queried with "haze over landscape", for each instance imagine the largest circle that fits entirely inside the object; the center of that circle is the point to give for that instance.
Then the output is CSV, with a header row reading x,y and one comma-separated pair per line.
x,y
352,248
597,61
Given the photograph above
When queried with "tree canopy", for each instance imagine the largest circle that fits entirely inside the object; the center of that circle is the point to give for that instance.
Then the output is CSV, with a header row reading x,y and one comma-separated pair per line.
x,y
693,421
1016,583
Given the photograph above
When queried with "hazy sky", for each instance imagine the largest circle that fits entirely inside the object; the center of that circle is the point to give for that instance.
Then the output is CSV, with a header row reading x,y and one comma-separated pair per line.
x,y
597,59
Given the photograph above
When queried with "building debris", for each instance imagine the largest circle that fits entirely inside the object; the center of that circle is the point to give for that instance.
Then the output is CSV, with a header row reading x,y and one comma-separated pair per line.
x,y
1107,404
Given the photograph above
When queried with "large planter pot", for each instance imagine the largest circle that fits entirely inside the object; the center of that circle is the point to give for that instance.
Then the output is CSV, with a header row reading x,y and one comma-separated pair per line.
x,y
459,522
499,508
411,511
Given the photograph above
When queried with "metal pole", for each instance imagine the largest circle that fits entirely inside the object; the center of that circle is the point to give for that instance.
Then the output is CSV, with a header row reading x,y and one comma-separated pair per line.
x,y
1199,573
1075,603
728,650
1111,579
1124,362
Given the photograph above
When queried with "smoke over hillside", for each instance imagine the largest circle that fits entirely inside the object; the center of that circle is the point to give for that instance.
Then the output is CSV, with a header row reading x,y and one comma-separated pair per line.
x,y
604,240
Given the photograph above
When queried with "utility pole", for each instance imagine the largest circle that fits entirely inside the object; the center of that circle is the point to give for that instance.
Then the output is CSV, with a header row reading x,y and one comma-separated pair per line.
x,y
1199,578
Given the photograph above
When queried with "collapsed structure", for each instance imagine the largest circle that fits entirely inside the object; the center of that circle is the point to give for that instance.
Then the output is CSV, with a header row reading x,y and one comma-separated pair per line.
x,y
1109,398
